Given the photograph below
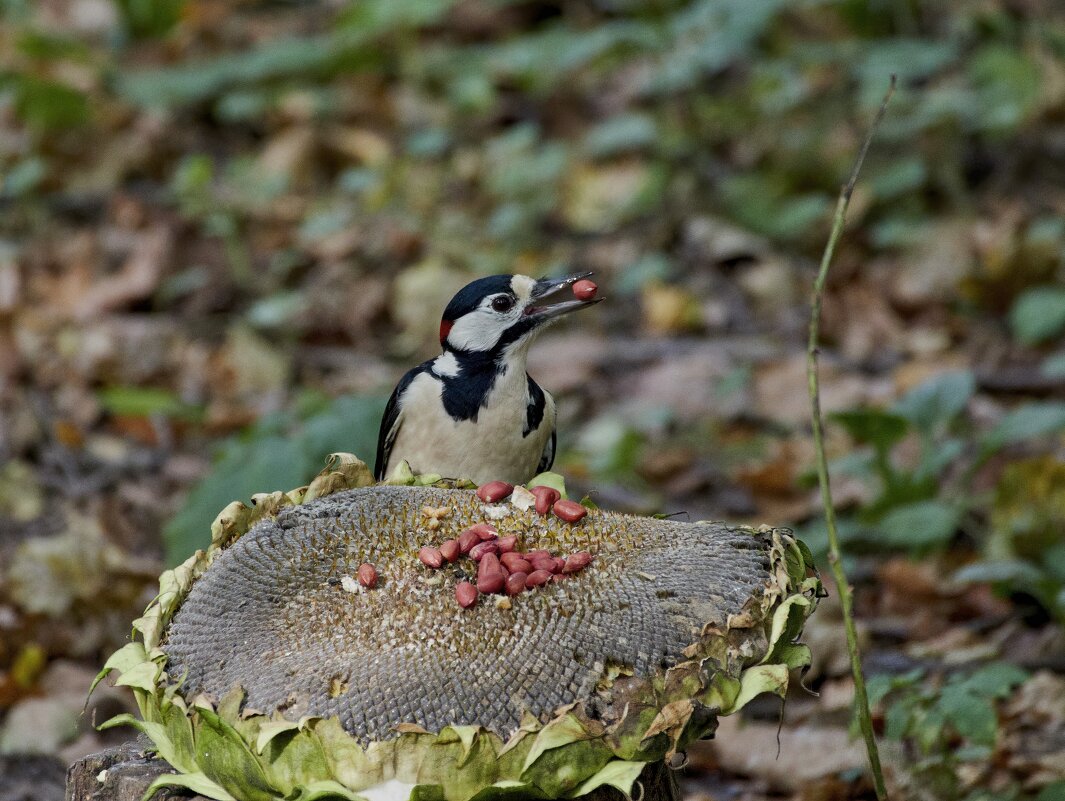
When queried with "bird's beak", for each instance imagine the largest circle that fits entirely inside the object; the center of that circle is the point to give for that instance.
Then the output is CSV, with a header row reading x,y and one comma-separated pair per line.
x,y
545,288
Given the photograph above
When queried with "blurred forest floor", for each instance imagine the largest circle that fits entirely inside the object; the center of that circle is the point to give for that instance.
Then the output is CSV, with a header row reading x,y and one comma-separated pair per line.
x,y
228,227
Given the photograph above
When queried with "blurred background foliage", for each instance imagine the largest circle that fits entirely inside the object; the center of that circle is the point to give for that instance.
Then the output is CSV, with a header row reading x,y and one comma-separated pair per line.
x,y
229,226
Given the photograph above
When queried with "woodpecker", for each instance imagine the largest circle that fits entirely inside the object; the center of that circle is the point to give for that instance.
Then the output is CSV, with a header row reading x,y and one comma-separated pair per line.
x,y
473,411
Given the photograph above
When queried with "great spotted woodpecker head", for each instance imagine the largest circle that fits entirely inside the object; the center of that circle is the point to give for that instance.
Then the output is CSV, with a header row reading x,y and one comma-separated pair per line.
x,y
503,313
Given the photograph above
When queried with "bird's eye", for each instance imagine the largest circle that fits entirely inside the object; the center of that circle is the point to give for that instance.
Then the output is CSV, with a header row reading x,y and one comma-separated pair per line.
x,y
502,303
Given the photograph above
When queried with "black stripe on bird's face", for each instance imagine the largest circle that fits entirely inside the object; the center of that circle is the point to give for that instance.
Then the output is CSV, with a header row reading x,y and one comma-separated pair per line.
x,y
488,314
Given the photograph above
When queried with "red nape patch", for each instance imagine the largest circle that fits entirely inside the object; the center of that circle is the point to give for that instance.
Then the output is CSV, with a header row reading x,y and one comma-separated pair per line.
x,y
445,329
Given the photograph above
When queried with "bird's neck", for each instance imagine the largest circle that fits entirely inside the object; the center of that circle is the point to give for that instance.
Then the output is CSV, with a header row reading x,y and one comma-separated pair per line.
x,y
470,379
503,364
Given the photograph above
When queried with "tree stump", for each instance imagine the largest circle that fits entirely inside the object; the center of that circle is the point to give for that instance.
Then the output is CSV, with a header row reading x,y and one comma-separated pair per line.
x,y
122,773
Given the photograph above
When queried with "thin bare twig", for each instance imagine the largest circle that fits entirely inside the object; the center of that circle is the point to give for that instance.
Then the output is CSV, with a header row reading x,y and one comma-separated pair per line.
x,y
834,555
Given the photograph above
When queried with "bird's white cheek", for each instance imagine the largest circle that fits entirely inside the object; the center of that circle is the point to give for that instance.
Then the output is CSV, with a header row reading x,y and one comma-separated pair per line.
x,y
475,332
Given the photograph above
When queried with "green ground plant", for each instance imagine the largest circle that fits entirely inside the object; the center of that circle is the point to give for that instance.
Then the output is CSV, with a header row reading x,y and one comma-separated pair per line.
x,y
943,723
921,505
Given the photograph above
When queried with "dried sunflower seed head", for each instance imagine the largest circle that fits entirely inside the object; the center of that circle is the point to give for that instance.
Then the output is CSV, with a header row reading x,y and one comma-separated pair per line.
x,y
562,688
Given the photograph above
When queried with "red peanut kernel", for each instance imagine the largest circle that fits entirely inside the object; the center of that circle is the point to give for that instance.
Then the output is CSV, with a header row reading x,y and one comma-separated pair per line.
x,y
490,576
515,563
585,289
367,574
570,511
430,557
467,540
507,544
543,563
515,583
494,491
577,561
484,531
450,550
479,551
538,577
545,498
465,594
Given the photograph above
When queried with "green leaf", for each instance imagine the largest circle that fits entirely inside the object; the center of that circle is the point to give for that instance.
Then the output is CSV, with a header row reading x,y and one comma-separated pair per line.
x,y
1008,84
125,658
1055,791
621,133
508,790
559,771
294,758
794,655
563,755
899,177
935,460
1053,366
995,680
919,526
324,789
766,204
1053,561
877,688
1015,571
873,426
23,177
269,730
788,618
197,782
175,751
272,455
858,463
552,480
909,58
757,680
466,735
150,18
1030,420
195,82
971,716
937,401
559,732
147,401
1038,314
46,105
388,16
897,718
36,44
926,728
228,761
181,749
144,676
123,719
617,773
261,465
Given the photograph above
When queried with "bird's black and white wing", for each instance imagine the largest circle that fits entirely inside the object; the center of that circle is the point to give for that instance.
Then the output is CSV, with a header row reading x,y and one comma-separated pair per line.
x,y
540,410
548,457
391,423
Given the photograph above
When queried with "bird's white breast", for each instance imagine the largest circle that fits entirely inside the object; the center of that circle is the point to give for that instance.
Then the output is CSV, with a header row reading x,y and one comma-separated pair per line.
x,y
488,449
